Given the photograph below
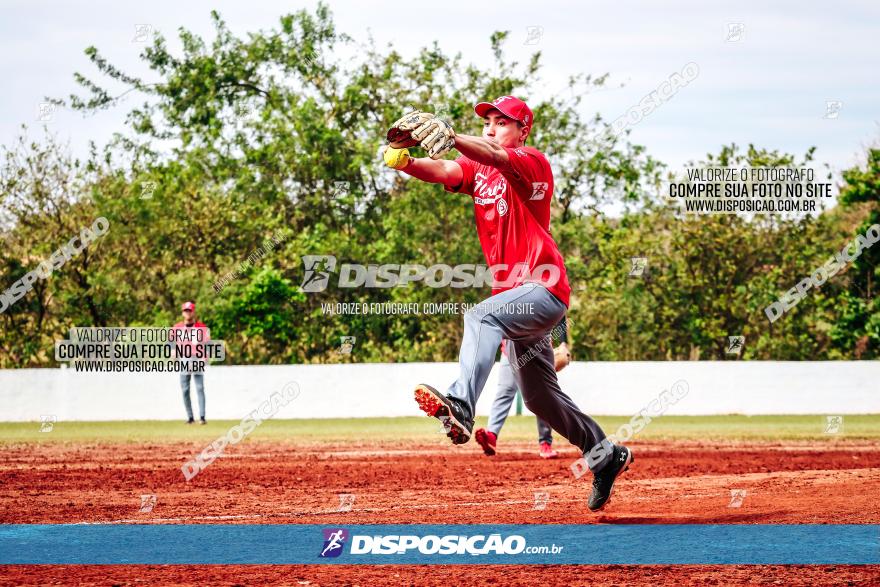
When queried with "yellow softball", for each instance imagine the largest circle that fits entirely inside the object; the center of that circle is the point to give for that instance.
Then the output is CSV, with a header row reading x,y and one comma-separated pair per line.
x,y
396,158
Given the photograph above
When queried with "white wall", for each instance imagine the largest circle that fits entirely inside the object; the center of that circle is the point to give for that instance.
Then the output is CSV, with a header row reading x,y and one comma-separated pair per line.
x,y
328,391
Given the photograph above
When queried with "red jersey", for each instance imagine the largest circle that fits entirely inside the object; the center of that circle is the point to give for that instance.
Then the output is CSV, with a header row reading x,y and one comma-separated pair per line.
x,y
512,211
189,338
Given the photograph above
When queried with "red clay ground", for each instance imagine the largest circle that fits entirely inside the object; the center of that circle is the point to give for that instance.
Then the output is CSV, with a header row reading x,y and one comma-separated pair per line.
x,y
447,576
683,482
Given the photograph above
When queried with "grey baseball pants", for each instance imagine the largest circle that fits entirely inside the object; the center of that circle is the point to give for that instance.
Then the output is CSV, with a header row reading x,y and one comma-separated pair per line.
x,y
524,316
504,397
200,391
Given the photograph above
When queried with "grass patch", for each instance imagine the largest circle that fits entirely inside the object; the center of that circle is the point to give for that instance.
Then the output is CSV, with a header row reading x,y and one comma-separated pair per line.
x,y
518,428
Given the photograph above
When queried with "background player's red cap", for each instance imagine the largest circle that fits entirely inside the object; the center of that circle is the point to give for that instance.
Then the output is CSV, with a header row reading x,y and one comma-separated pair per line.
x,y
509,106
188,306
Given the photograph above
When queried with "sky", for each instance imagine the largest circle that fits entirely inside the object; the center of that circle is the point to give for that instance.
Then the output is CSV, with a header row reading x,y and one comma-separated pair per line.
x,y
766,71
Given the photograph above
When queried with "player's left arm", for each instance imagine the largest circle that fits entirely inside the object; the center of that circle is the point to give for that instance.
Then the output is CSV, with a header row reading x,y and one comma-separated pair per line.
x,y
484,151
521,168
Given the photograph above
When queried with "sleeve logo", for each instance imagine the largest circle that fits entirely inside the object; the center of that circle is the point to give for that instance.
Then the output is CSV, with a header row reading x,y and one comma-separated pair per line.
x,y
539,190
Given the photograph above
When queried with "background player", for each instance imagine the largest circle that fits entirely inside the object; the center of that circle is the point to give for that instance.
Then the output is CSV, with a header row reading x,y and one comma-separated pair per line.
x,y
507,390
188,309
503,175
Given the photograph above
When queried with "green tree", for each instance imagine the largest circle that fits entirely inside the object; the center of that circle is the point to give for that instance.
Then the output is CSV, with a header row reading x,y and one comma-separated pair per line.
x,y
235,139
858,330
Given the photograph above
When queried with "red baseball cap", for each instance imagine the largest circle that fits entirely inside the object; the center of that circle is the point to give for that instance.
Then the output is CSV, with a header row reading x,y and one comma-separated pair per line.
x,y
188,306
509,106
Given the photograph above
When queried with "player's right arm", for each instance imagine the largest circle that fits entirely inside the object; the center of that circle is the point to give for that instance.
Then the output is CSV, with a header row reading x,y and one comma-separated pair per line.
x,y
448,173
435,171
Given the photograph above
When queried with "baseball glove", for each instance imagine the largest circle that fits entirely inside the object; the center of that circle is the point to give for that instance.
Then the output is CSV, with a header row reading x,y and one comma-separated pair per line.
x,y
435,136
400,134
422,128
561,357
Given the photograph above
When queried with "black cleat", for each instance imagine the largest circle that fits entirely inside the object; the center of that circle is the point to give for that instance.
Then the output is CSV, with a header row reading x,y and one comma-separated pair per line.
x,y
190,421
603,481
449,411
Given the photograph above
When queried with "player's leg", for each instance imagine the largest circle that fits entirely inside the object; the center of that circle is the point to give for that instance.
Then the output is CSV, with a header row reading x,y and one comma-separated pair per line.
x,y
500,316
533,366
545,440
488,437
199,378
504,398
184,385
545,433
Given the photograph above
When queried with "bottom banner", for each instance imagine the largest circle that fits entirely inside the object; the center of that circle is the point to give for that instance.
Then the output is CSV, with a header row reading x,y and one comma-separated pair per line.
x,y
439,544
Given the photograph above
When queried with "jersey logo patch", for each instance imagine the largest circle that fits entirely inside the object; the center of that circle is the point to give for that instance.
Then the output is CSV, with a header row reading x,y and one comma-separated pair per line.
x,y
501,205
484,193
539,190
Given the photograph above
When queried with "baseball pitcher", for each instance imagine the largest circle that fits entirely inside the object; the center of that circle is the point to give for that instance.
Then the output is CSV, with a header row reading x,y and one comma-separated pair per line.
x,y
511,186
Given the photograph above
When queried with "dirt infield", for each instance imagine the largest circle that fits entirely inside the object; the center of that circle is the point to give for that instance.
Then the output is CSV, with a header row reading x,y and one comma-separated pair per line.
x,y
512,576
830,482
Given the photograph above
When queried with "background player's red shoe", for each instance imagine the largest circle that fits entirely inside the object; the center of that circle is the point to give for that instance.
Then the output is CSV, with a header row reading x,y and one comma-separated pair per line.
x,y
546,451
487,440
